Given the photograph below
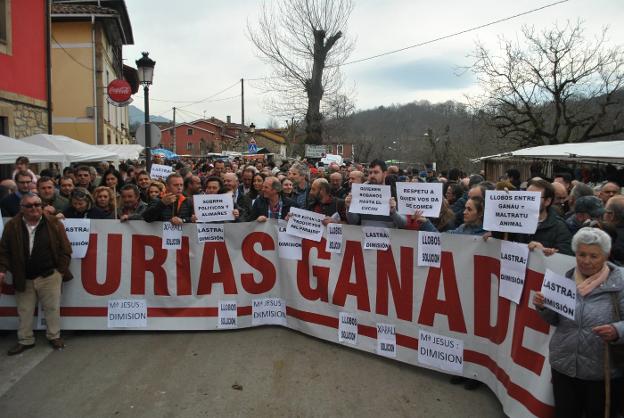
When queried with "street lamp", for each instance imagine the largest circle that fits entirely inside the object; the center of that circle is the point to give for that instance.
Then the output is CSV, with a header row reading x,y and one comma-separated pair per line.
x,y
145,66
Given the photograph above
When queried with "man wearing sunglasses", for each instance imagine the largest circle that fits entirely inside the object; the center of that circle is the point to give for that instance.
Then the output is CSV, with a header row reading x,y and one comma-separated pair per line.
x,y
35,249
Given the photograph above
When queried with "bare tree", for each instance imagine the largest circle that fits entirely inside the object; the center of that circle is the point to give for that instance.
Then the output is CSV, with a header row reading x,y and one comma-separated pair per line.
x,y
304,42
555,87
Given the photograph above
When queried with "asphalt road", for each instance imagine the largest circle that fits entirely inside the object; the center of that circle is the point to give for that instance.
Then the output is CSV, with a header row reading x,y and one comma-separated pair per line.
x,y
261,372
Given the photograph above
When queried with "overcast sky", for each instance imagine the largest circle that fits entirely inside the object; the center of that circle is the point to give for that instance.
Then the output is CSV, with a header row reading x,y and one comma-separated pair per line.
x,y
202,47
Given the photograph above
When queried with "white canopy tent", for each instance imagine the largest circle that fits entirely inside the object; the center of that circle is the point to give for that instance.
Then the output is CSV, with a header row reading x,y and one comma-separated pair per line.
x,y
125,152
605,152
11,148
73,150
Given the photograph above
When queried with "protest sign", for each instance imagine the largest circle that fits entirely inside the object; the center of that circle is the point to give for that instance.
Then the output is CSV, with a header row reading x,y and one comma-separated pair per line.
x,y
210,233
159,171
426,197
171,236
228,317
376,238
1,223
305,224
370,199
559,294
289,245
268,311
514,260
213,207
347,328
441,352
511,211
334,238
429,249
78,234
386,340
127,313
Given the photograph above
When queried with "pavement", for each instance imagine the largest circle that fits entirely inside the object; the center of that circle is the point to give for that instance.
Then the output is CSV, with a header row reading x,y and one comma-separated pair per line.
x,y
260,372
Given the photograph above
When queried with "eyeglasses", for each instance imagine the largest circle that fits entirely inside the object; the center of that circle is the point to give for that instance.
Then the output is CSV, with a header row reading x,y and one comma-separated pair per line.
x,y
32,205
25,182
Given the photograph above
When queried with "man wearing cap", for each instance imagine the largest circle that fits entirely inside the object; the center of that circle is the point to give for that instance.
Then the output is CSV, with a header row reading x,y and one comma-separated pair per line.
x,y
587,208
35,249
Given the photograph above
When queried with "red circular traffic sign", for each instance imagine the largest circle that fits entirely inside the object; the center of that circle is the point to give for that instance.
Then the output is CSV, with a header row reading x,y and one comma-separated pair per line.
x,y
119,90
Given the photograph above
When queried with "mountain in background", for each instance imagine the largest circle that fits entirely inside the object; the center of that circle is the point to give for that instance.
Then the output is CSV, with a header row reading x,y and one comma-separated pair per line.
x,y
136,116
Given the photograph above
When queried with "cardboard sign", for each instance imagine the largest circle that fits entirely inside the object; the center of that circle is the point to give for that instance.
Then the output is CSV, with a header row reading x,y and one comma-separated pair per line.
x,y
559,294
268,311
376,238
370,199
213,207
511,211
305,224
426,197
514,258
159,171
441,352
210,233
228,316
347,328
171,236
386,340
289,246
78,234
429,249
127,313
334,238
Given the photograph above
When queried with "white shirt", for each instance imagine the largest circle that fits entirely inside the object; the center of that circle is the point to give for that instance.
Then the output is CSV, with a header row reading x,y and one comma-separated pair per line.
x,y
31,234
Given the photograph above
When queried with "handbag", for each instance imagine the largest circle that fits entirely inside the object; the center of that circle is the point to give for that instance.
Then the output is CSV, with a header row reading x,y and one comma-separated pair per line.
x,y
617,350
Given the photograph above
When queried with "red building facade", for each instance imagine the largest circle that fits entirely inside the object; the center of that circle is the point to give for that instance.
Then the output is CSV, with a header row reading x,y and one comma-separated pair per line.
x,y
201,136
24,66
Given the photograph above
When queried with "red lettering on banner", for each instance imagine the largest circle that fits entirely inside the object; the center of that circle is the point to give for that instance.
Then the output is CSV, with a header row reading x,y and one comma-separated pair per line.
x,y
484,268
140,266
207,275
387,276
527,317
359,289
88,268
255,260
7,289
183,269
451,307
321,292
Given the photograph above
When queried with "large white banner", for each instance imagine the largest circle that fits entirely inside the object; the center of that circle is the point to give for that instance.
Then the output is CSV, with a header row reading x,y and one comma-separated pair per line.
x,y
503,344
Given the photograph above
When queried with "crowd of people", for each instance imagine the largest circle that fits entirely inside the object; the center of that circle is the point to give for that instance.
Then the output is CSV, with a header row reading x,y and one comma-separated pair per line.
x,y
569,208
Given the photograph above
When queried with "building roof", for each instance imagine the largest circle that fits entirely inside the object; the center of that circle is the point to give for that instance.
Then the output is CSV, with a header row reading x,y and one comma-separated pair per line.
x,y
81,9
273,136
102,9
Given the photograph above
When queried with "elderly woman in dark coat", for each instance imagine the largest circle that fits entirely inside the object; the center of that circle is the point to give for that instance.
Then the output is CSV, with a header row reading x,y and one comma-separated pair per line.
x,y
577,348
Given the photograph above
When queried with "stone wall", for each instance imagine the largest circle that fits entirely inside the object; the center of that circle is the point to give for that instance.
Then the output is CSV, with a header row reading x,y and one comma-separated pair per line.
x,y
24,120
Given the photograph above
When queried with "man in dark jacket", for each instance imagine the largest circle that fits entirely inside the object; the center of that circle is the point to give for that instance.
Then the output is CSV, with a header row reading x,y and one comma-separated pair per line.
x,y
320,200
173,206
552,234
272,205
10,205
35,249
132,207
614,216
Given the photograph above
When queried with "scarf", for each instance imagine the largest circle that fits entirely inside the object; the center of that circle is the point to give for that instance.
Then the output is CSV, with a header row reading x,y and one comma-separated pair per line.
x,y
585,285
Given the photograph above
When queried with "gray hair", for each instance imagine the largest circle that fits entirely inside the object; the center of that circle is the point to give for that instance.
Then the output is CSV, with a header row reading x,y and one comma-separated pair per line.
x,y
302,169
581,189
616,205
28,196
275,184
592,236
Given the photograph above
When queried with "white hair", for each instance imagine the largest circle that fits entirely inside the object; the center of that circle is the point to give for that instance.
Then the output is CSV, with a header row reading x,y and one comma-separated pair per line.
x,y
592,236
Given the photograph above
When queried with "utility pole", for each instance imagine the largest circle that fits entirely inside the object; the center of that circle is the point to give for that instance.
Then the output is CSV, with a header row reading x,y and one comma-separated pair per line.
x,y
242,102
173,135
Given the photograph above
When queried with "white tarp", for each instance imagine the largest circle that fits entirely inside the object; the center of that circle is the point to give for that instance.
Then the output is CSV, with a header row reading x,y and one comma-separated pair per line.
x,y
11,148
74,151
125,152
607,151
